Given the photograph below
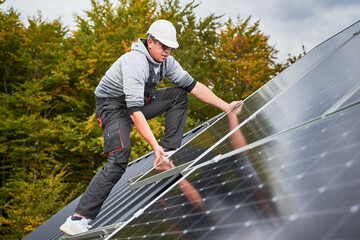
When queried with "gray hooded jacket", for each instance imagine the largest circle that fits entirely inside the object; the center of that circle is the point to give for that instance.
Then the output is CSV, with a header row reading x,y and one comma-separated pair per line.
x,y
128,75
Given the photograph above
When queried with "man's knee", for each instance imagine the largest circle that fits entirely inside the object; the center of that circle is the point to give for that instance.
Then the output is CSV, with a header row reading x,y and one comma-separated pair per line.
x,y
181,98
120,158
117,164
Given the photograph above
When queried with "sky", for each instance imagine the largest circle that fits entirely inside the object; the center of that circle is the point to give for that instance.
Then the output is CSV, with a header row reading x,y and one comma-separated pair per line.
x,y
289,23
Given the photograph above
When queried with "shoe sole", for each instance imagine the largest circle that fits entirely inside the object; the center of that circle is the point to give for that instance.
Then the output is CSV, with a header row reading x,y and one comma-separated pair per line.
x,y
67,233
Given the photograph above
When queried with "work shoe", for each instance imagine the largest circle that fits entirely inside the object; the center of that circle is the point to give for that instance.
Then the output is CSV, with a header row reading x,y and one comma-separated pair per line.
x,y
72,227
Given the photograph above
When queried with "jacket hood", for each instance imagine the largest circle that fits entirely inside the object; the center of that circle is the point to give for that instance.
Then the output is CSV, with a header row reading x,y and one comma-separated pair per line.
x,y
140,46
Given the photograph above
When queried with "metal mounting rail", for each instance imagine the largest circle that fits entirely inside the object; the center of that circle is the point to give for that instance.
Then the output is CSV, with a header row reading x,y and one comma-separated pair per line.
x,y
133,184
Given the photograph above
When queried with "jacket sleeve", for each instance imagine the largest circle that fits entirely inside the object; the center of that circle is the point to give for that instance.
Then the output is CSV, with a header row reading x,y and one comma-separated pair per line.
x,y
135,70
177,75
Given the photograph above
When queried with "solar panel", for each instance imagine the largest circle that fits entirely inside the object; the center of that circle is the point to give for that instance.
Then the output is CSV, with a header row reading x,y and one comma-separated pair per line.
x,y
353,99
301,185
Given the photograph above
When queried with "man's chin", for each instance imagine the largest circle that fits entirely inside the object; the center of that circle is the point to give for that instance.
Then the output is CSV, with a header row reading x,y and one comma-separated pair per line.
x,y
161,60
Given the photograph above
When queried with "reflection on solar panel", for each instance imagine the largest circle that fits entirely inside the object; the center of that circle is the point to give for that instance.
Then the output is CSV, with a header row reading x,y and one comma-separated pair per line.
x,y
285,170
353,99
283,166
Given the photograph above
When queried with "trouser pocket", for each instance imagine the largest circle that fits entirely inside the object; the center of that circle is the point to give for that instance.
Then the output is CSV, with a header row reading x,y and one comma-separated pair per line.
x,y
113,140
108,109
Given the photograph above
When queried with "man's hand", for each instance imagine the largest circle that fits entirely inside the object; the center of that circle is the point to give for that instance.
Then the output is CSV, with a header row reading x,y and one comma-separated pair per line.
x,y
159,155
145,131
234,104
166,165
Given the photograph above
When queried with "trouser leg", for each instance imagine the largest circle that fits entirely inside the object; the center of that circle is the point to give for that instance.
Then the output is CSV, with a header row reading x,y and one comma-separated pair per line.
x,y
174,102
100,186
117,147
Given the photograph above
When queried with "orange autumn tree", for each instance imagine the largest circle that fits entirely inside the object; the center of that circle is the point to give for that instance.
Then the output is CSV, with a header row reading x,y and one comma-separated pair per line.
x,y
245,60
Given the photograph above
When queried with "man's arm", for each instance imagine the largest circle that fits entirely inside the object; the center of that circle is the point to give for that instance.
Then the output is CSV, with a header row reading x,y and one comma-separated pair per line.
x,y
145,131
204,94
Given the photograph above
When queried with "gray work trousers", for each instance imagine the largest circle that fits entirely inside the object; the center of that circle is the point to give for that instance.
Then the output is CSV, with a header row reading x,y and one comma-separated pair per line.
x,y
117,124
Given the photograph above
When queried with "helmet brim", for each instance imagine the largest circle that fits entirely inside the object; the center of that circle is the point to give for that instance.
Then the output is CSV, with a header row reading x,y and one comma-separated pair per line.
x,y
170,44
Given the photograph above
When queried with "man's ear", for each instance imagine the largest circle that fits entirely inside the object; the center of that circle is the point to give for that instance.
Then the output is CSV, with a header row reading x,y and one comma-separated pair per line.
x,y
149,42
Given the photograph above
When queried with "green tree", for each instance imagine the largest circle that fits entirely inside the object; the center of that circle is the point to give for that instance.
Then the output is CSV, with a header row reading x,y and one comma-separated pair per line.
x,y
36,133
33,200
11,35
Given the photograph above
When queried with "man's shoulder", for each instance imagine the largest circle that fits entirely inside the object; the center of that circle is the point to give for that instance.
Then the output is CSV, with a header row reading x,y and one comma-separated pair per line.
x,y
170,58
134,59
134,55
171,62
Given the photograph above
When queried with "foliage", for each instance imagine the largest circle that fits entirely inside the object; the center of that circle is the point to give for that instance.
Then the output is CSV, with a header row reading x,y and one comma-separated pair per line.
x,y
34,200
51,145
292,59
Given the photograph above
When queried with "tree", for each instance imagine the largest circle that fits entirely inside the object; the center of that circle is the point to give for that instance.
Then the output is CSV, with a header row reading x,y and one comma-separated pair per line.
x,y
37,137
292,59
244,61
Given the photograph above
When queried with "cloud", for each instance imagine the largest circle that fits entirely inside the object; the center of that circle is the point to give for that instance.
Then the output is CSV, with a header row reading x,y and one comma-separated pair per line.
x,y
290,24
50,10
342,3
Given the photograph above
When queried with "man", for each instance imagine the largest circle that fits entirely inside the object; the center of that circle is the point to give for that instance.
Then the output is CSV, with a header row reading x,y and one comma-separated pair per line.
x,y
126,95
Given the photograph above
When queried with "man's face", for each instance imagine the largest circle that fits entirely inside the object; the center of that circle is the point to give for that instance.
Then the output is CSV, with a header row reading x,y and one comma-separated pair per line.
x,y
158,51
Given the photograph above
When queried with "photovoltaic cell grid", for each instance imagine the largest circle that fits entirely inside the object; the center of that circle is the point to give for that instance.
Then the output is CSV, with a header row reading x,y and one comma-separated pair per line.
x,y
302,185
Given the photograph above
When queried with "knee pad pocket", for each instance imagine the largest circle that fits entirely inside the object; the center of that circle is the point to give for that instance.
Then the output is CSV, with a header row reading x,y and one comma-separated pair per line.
x,y
112,138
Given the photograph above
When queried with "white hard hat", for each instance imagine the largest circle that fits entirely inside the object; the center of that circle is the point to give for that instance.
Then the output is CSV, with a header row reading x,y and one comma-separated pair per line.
x,y
165,32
